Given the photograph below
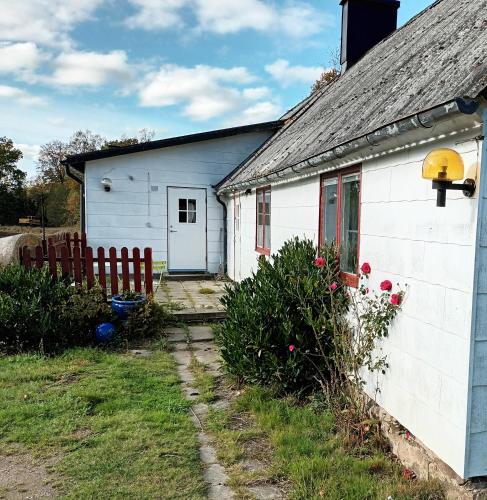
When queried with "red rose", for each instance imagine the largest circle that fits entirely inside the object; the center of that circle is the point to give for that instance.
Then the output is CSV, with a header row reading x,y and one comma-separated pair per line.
x,y
319,262
395,299
291,348
366,268
333,286
386,286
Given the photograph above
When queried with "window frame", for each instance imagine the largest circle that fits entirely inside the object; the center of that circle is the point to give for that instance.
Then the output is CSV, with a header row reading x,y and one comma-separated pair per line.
x,y
350,279
263,250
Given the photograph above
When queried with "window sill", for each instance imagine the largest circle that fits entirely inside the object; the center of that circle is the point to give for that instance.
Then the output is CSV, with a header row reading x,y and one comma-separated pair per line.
x,y
263,251
349,279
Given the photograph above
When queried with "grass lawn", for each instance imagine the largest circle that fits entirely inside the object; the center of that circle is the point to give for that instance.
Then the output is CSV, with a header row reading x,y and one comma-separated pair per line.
x,y
117,423
308,453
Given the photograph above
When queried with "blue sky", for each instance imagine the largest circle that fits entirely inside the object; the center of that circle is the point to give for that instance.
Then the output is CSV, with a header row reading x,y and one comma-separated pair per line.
x,y
174,66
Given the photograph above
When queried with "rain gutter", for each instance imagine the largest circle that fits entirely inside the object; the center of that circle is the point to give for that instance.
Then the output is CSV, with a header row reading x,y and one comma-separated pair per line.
x,y
426,119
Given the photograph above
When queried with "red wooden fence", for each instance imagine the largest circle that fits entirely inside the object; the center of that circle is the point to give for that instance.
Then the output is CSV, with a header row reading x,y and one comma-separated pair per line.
x,y
78,262
67,240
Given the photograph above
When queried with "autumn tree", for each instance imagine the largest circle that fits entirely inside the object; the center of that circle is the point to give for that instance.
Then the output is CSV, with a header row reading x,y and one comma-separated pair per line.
x,y
330,74
12,183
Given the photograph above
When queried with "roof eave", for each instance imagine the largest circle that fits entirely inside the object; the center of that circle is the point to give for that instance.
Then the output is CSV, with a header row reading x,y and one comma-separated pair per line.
x,y
80,159
425,119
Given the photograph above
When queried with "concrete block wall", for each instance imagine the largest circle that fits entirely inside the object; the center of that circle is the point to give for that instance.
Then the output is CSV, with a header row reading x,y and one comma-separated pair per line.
x,y
406,239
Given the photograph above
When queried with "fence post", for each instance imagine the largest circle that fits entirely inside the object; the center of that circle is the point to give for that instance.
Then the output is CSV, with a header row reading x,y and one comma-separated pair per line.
x,y
78,276
125,269
113,271
26,257
51,254
137,276
102,275
39,256
148,270
65,262
90,273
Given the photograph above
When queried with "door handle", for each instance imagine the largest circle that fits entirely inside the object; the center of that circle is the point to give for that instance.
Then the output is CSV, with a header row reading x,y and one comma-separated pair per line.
x,y
172,231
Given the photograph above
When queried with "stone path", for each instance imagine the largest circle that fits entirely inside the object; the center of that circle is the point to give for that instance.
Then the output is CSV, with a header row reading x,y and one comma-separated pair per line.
x,y
199,300
197,341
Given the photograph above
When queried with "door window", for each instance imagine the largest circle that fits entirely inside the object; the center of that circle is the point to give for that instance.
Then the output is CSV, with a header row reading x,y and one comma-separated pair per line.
x,y
187,211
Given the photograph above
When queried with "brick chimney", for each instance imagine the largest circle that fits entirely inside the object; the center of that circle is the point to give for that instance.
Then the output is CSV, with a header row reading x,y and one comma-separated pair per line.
x,y
364,24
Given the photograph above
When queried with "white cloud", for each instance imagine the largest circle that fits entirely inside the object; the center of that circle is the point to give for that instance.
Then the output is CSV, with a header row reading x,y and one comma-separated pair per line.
x,y
205,92
91,69
291,18
20,96
254,93
19,57
261,112
30,151
234,15
287,75
156,14
46,22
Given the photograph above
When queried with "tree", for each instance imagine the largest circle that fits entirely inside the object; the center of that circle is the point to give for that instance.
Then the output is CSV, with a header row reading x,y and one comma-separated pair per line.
x,y
12,183
52,154
330,74
144,135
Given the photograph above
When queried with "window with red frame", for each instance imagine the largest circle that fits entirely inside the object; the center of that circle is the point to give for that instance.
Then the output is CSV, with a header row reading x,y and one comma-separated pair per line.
x,y
263,236
340,218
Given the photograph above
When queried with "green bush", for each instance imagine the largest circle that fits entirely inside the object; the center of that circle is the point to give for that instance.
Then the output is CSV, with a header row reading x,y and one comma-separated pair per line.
x,y
37,313
279,325
147,321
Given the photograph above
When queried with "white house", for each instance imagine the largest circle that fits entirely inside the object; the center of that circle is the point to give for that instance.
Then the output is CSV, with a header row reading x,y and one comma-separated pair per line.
x,y
160,194
347,167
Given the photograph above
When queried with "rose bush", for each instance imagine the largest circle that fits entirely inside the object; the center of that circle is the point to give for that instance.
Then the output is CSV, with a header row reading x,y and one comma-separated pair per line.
x,y
279,321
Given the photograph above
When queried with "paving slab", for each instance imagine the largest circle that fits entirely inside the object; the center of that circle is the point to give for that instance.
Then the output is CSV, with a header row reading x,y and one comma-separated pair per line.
x,y
266,492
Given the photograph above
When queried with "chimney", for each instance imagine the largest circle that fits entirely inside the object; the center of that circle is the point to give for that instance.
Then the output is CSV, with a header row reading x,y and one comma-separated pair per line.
x,y
364,24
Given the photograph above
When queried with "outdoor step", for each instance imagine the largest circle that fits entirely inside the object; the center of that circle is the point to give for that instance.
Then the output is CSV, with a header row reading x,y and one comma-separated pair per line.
x,y
197,334
189,277
200,316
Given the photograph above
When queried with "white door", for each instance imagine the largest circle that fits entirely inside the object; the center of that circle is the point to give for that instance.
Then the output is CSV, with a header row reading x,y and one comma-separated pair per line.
x,y
186,208
237,252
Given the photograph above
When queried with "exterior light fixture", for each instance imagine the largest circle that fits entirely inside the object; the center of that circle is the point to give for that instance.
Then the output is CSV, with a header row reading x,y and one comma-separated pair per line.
x,y
106,183
443,166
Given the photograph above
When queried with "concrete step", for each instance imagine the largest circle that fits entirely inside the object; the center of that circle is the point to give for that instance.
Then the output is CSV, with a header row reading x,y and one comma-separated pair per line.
x,y
189,277
200,316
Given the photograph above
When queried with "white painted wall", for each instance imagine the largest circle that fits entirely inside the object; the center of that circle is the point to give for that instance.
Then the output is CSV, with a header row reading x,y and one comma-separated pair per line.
x,y
132,215
406,239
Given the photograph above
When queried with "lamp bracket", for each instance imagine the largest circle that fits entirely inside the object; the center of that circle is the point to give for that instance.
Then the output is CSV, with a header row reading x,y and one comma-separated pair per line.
x,y
467,187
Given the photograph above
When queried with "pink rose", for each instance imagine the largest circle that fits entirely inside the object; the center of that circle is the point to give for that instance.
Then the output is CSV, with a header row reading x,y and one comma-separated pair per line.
x,y
291,348
319,262
333,286
366,268
395,299
386,286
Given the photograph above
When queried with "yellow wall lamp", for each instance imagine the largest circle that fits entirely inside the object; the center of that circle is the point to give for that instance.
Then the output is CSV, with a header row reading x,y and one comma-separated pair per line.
x,y
443,166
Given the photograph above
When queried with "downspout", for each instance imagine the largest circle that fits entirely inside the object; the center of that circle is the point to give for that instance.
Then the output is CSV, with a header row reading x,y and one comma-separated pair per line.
x,y
82,197
225,232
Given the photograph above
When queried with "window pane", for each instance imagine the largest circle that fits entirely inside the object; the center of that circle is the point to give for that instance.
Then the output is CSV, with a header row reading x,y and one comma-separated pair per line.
x,y
349,229
191,204
182,204
192,217
329,215
267,199
260,236
183,217
267,242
